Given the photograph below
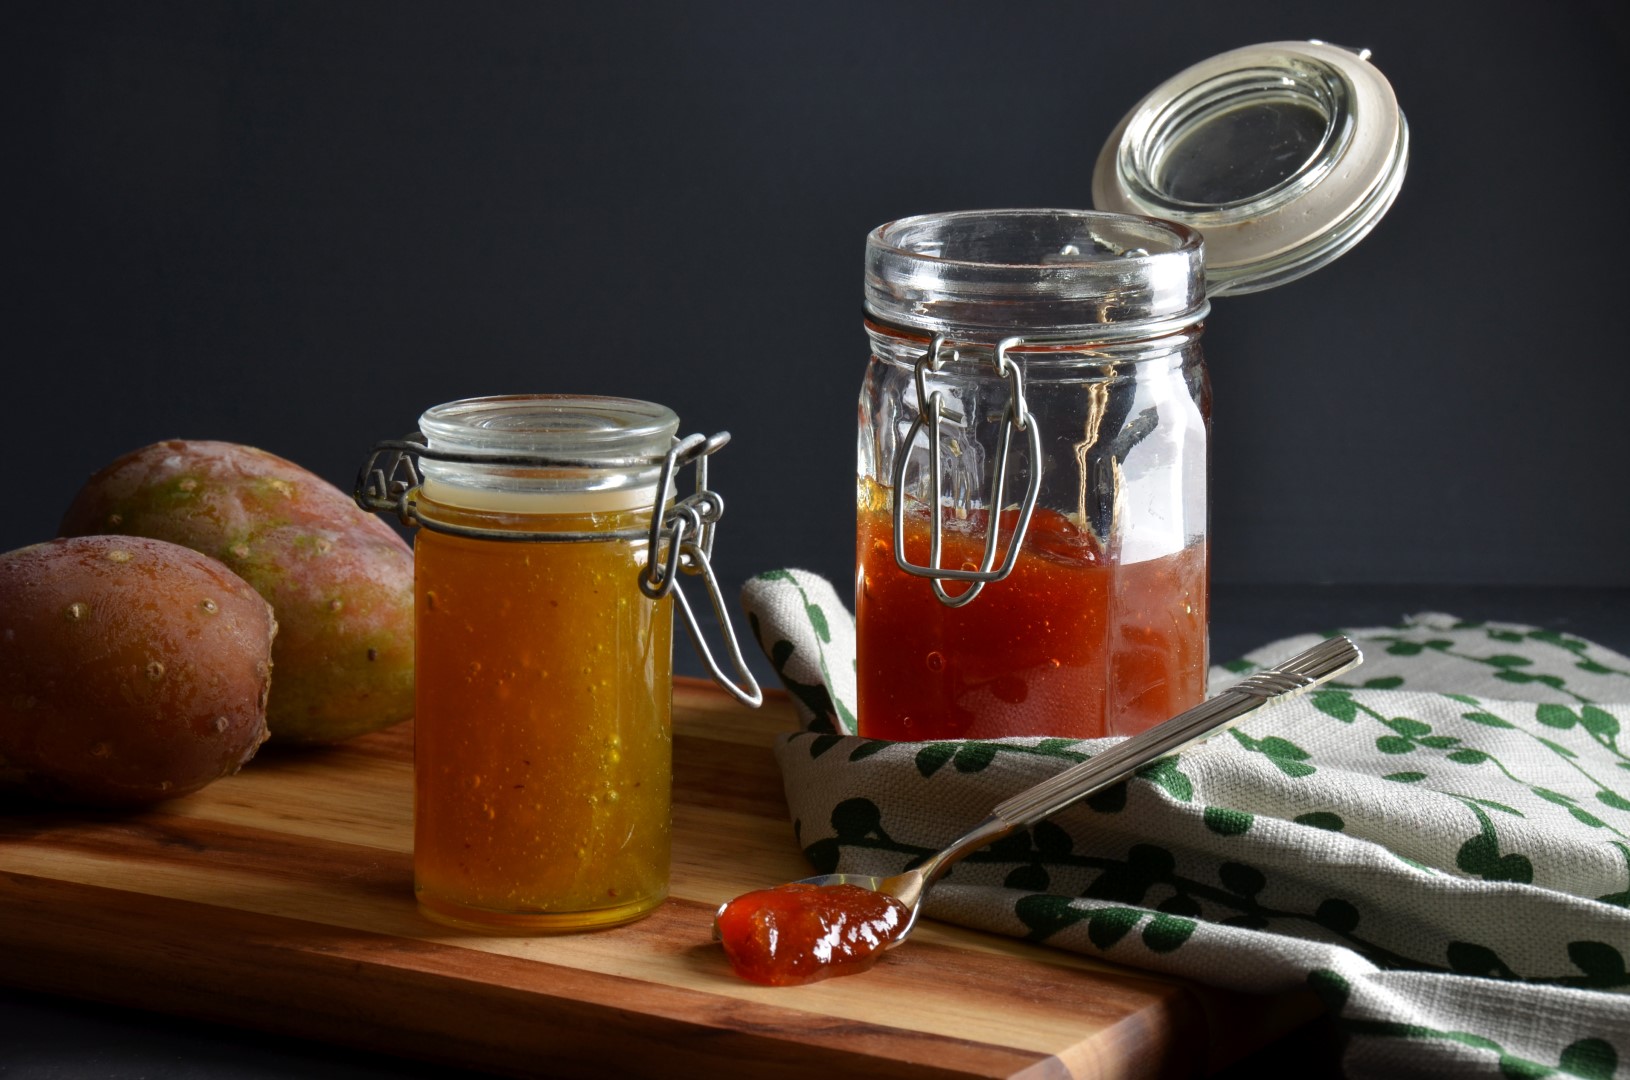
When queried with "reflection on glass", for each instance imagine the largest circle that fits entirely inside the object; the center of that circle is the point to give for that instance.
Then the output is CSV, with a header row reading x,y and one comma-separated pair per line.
x,y
1237,155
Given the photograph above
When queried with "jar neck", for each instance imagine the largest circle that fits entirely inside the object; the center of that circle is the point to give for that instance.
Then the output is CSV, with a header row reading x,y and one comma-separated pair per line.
x,y
521,501
895,345
501,516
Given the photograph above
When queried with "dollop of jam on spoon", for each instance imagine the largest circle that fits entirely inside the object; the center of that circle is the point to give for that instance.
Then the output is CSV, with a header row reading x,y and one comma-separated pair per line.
x,y
800,933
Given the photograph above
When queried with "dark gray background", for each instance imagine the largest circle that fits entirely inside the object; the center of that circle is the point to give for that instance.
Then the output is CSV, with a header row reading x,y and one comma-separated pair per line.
x,y
296,225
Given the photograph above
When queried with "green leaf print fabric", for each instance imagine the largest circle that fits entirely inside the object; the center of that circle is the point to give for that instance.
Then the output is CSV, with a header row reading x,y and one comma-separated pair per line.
x,y
1439,846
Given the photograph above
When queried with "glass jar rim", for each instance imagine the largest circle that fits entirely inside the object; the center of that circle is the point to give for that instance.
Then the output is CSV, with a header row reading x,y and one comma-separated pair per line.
x,y
986,274
548,447
613,430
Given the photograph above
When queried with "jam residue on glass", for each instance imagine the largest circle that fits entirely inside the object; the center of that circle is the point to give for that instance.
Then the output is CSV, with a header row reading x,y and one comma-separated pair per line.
x,y
798,933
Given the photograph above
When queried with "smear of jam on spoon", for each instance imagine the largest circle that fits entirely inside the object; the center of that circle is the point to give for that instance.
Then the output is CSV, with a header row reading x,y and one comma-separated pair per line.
x,y
799,933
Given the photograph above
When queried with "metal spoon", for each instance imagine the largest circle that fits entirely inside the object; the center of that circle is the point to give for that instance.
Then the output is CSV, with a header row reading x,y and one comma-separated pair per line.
x,y
1301,672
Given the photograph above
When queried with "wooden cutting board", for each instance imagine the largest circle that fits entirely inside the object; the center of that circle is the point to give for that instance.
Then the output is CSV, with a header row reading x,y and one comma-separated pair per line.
x,y
282,899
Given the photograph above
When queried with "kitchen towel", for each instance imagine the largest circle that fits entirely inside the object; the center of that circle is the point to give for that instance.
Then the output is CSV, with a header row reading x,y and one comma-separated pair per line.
x,y
1438,845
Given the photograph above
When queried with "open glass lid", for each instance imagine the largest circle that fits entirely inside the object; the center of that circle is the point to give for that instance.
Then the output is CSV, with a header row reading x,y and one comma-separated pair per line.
x,y
1282,155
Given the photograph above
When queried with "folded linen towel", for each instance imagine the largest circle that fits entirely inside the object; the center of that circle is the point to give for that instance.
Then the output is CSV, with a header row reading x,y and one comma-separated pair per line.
x,y
1440,846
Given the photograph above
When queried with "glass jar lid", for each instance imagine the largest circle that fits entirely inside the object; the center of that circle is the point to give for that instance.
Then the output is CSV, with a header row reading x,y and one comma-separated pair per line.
x,y
1282,155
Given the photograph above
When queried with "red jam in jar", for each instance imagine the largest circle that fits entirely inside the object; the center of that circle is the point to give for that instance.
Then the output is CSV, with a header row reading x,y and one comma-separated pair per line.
x,y
1070,644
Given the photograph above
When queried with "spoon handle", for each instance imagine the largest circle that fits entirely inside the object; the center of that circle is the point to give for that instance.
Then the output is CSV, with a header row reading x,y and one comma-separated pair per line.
x,y
1301,672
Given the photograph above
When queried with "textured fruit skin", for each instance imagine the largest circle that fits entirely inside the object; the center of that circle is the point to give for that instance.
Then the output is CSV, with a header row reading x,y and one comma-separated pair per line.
x,y
131,670
339,580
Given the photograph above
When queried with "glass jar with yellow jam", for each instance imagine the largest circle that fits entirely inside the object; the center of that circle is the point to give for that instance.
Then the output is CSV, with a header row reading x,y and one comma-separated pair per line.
x,y
543,734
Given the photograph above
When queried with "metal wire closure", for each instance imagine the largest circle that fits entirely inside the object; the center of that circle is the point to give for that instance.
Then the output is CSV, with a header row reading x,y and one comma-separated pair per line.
x,y
687,529
930,410
679,538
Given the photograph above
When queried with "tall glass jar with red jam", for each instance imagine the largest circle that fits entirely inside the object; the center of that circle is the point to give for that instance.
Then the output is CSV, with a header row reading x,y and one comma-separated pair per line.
x,y
1031,541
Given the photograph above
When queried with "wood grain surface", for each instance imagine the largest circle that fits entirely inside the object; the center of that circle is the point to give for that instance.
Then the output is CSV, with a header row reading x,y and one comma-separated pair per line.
x,y
282,899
